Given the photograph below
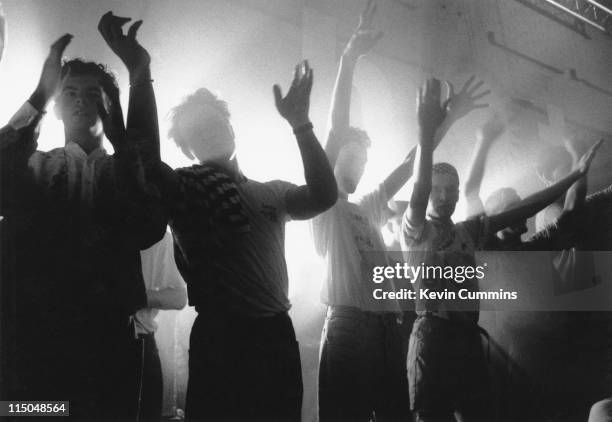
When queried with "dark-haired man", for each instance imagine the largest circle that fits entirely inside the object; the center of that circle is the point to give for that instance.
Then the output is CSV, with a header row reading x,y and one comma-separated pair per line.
x,y
229,233
447,372
361,368
78,218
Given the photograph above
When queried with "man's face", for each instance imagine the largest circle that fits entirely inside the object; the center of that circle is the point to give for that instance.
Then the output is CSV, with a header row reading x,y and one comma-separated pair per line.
x,y
77,103
444,195
350,167
208,132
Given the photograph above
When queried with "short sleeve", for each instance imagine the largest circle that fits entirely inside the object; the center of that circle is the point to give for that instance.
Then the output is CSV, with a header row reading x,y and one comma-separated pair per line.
x,y
279,190
374,206
412,234
478,229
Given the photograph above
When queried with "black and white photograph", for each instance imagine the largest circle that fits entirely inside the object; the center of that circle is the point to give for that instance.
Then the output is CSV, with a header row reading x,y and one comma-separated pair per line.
x,y
306,210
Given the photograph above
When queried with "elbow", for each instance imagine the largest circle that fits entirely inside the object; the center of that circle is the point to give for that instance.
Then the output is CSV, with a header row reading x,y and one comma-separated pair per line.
x,y
327,198
181,301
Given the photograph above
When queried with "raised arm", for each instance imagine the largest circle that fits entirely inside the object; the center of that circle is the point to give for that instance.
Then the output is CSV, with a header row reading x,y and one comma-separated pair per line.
x,y
18,138
457,106
128,199
485,137
430,114
462,103
362,41
320,192
534,203
142,109
575,197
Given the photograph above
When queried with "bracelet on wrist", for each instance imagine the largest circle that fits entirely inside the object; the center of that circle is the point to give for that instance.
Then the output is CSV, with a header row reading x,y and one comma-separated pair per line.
x,y
306,127
141,83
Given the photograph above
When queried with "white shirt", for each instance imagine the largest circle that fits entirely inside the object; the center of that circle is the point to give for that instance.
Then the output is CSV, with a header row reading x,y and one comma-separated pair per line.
x,y
159,272
349,237
82,168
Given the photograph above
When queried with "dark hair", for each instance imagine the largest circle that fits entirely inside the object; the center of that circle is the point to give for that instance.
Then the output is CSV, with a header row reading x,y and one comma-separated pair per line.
x,y
445,168
353,135
201,97
78,67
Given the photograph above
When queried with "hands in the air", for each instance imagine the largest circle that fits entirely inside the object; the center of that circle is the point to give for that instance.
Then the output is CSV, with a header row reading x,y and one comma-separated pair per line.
x,y
430,111
51,75
466,100
365,37
295,105
491,130
584,163
126,47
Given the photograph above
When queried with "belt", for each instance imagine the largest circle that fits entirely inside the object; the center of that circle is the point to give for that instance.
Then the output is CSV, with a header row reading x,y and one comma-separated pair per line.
x,y
354,312
146,335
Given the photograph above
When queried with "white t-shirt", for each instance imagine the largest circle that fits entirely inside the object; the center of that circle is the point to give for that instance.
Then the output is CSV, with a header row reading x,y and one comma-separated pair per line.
x,y
159,272
349,237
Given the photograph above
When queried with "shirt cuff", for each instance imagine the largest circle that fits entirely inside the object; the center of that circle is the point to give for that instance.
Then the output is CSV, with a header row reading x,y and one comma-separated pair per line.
x,y
24,116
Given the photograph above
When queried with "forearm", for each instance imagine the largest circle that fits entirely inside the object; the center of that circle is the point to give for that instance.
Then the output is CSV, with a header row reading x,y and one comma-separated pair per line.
x,y
341,98
142,115
471,190
533,203
169,298
476,172
318,173
422,183
575,196
398,178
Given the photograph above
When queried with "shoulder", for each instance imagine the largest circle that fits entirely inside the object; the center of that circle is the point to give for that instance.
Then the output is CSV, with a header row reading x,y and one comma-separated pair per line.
x,y
415,234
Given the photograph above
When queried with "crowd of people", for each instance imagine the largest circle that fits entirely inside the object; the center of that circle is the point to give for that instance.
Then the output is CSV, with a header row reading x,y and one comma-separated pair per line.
x,y
87,261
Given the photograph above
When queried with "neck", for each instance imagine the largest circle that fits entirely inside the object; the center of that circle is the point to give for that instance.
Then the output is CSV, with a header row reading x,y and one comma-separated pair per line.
x,y
443,220
231,166
85,139
342,194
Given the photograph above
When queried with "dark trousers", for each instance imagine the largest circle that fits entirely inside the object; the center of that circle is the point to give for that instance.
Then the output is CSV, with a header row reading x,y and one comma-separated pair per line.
x,y
361,371
447,371
149,382
243,369
90,370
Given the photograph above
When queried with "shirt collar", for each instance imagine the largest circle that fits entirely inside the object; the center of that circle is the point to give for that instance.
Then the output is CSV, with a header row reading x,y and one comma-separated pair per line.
x,y
75,150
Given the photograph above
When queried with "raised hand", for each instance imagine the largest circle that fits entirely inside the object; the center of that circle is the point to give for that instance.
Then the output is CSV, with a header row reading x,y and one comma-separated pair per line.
x,y
365,37
295,105
430,112
466,100
491,130
125,46
51,75
584,163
